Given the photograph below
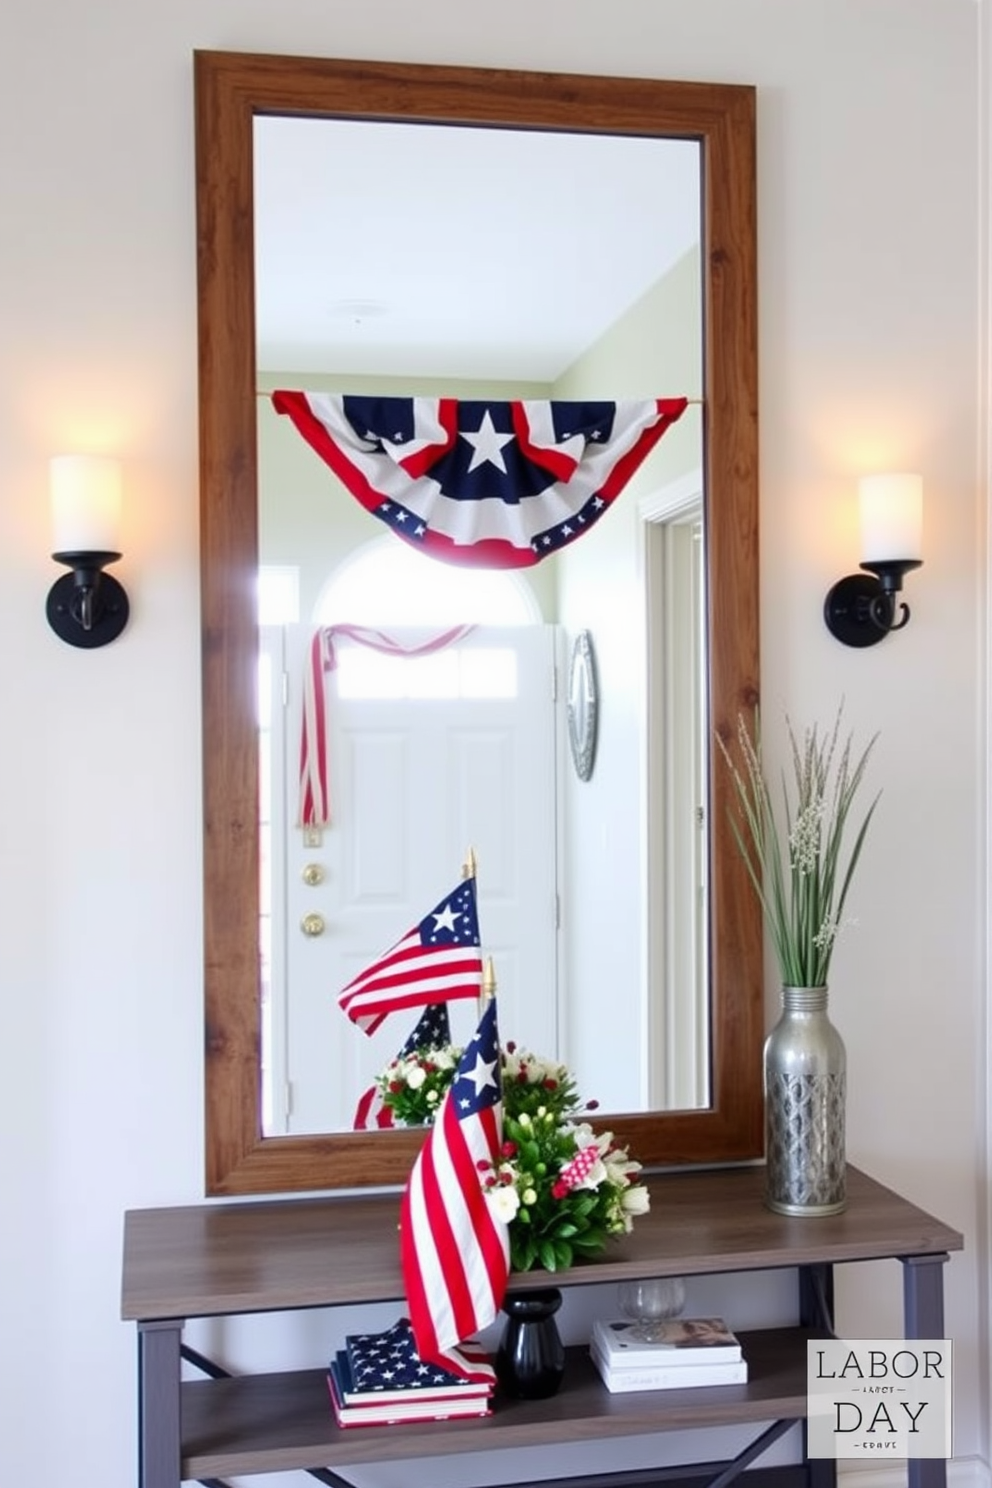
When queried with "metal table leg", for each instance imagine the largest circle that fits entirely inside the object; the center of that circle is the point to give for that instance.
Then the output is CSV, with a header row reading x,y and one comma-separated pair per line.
x,y
923,1314
159,1450
816,1310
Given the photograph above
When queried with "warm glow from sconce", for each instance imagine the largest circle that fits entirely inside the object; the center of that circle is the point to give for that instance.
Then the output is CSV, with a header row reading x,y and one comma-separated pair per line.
x,y
86,504
86,607
863,608
891,518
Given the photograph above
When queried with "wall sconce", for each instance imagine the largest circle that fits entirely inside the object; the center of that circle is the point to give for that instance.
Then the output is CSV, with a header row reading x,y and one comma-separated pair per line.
x,y
86,607
862,608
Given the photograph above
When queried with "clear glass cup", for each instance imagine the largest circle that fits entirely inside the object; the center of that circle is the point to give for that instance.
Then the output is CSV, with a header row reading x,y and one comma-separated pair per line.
x,y
651,1303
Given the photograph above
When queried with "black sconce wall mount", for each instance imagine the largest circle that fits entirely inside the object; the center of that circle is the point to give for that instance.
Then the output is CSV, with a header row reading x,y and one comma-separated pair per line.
x,y
863,608
86,607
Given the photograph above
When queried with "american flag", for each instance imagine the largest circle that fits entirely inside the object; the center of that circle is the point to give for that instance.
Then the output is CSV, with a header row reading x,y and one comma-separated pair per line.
x,y
455,1253
439,960
503,484
389,1361
433,1031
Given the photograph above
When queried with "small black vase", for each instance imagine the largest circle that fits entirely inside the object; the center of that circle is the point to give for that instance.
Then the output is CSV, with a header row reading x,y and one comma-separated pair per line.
x,y
530,1360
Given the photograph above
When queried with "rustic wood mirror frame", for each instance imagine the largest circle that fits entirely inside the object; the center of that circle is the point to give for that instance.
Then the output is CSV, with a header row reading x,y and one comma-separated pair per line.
x,y
231,88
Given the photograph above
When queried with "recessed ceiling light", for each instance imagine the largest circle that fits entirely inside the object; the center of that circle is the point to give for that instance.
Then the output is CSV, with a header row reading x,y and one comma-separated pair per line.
x,y
358,311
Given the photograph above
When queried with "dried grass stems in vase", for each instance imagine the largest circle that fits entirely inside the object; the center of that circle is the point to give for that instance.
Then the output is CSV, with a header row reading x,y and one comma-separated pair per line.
x,y
798,868
797,864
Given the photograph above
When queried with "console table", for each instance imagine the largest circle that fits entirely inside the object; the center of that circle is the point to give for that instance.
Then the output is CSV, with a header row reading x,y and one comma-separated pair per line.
x,y
214,1260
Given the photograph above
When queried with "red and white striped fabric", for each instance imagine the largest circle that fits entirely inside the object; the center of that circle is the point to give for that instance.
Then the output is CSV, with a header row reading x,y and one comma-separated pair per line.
x,y
371,1112
455,1253
315,801
438,960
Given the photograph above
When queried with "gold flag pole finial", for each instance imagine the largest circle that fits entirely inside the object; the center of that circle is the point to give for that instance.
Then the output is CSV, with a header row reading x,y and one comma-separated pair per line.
x,y
468,867
488,991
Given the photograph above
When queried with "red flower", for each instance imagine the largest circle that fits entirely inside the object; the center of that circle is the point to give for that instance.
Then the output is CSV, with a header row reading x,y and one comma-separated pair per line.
x,y
559,1189
509,1149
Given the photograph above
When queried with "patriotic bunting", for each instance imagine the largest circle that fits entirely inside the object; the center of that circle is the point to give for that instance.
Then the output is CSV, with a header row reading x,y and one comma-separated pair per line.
x,y
494,484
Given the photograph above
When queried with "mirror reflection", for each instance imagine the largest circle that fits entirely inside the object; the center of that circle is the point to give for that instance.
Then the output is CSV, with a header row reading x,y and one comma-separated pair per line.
x,y
427,260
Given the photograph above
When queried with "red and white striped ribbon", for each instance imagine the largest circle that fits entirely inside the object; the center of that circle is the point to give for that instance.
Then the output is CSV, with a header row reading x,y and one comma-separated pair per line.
x,y
315,804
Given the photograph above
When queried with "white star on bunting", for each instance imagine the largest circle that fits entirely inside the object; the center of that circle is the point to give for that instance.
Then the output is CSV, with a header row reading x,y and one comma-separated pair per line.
x,y
487,445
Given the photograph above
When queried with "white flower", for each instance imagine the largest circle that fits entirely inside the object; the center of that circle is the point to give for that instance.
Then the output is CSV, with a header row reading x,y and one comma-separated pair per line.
x,y
504,1201
635,1200
619,1167
416,1077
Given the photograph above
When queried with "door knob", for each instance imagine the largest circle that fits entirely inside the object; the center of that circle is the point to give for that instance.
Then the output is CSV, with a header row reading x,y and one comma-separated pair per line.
x,y
313,874
312,924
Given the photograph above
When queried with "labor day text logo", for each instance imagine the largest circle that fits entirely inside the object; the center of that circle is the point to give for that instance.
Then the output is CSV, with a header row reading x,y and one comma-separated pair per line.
x,y
878,1398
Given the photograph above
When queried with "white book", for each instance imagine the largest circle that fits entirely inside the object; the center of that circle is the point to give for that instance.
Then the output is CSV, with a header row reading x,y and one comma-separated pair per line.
x,y
669,1377
679,1340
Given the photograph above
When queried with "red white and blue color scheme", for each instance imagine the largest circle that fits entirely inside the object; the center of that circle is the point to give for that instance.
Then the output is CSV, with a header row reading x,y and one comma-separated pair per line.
x,y
489,483
432,1031
455,1253
439,960
384,1363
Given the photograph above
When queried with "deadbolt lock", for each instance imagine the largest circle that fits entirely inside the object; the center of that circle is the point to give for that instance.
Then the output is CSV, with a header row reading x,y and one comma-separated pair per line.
x,y
313,874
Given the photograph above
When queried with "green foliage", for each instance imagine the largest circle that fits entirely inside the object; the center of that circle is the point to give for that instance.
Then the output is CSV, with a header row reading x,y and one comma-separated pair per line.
x,y
556,1213
795,857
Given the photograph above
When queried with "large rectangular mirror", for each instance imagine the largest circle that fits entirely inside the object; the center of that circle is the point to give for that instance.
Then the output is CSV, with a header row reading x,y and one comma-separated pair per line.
x,y
241,102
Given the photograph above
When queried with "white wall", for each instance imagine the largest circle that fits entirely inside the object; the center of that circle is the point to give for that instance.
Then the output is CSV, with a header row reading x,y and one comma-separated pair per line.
x,y
654,349
871,309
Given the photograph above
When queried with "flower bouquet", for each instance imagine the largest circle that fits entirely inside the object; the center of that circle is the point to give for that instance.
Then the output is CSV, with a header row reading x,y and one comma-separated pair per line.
x,y
561,1188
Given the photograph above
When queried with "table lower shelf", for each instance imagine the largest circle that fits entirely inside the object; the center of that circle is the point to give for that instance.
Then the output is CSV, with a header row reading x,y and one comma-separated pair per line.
x,y
278,1422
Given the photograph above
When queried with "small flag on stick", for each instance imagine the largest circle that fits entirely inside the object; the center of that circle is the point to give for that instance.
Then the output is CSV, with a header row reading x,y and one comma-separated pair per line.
x,y
439,960
454,1251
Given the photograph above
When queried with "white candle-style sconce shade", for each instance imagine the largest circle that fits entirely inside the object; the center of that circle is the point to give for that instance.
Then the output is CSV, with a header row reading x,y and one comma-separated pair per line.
x,y
86,607
862,609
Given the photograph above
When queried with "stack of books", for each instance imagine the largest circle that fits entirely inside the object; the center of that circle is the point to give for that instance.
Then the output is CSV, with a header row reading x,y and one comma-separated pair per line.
x,y
674,1355
379,1379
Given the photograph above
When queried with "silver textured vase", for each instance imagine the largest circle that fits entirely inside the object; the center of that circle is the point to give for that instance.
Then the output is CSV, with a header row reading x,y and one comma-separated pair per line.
x,y
805,1100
